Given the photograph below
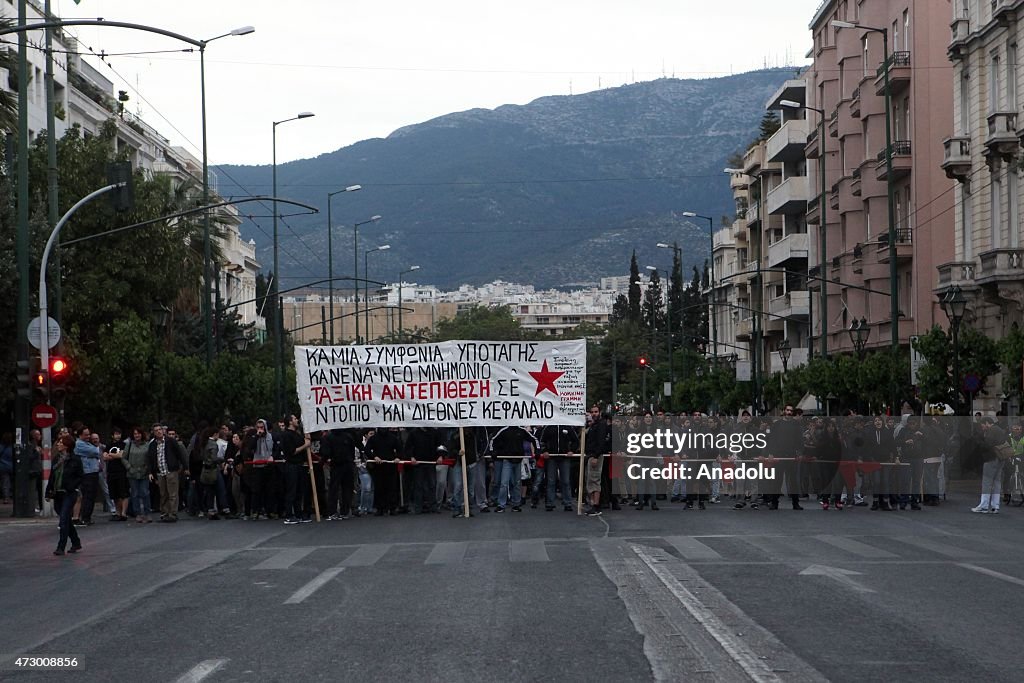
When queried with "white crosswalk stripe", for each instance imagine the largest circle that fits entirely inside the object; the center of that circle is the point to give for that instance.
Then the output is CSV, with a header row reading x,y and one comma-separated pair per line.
x,y
366,555
284,559
692,549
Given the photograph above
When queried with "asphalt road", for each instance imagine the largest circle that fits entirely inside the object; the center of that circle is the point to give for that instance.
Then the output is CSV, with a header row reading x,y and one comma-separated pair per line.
x,y
718,595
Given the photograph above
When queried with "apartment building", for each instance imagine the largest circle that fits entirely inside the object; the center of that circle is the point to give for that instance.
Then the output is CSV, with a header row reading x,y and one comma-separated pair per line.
x,y
982,155
847,82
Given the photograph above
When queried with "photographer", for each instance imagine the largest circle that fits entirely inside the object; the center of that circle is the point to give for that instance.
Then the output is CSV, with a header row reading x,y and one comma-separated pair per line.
x,y
117,478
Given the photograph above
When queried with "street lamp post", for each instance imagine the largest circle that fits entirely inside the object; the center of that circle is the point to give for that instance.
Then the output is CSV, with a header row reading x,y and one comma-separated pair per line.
x,y
410,269
330,251
824,226
859,332
890,187
366,284
784,352
954,305
355,264
714,297
278,342
668,307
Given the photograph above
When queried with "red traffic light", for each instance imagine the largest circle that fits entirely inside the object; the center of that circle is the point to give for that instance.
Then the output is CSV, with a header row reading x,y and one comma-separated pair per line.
x,y
58,366
642,361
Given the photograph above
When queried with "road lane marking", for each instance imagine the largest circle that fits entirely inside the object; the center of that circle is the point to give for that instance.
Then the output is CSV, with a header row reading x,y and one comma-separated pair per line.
x,y
447,553
530,550
837,574
936,547
689,628
692,549
850,545
200,560
737,650
992,573
283,559
201,670
314,585
366,555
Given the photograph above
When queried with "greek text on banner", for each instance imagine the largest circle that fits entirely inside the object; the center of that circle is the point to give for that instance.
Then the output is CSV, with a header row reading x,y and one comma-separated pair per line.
x,y
448,384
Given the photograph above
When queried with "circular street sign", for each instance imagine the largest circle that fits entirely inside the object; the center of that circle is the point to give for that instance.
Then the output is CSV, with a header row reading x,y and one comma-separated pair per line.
x,y
35,333
972,383
44,416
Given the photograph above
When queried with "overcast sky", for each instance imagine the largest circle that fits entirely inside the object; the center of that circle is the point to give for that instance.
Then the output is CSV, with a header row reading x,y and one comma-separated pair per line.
x,y
367,68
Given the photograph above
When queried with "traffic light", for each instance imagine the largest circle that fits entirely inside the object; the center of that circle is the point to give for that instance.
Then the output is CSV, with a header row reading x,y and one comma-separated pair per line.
x,y
642,361
24,379
59,371
41,385
122,198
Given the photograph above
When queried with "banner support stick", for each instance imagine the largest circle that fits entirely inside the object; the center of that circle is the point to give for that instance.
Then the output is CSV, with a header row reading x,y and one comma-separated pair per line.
x,y
583,465
312,484
465,486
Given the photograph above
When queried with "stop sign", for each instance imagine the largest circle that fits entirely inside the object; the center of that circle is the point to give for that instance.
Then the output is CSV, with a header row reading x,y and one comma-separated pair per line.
x,y
44,415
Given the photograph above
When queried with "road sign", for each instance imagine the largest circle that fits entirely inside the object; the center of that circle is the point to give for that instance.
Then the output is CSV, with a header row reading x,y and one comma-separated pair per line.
x,y
44,416
972,383
35,336
743,371
916,360
667,389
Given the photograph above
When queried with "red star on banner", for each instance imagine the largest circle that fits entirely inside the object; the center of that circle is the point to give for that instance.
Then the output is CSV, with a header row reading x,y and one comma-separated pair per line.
x,y
546,379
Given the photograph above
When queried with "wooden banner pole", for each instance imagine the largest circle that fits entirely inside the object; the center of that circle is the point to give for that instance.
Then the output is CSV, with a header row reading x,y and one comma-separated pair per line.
x,y
583,466
465,486
312,484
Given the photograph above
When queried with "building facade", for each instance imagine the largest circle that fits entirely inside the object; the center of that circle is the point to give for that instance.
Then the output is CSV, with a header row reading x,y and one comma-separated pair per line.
x,y
982,156
847,82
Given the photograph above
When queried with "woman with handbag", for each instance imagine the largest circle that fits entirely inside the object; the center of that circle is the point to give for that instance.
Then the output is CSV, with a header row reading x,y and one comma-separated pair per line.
x,y
62,489
211,461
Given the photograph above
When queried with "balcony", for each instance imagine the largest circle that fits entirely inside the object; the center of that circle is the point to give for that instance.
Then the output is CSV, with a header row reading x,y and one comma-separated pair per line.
x,y
753,159
788,142
957,273
901,161
739,181
956,157
744,329
812,150
814,210
961,31
1002,12
753,215
899,73
789,247
855,182
855,103
857,264
833,123
904,246
790,196
833,197
1000,265
1001,142
791,304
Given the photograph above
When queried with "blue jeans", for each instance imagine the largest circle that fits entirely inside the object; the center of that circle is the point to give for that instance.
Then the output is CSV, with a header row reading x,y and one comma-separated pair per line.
x,y
140,496
509,484
560,469
67,529
365,491
457,505
536,480
679,488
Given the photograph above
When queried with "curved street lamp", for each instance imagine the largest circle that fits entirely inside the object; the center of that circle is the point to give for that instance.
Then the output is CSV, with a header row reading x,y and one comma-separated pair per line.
x,y
355,263
330,251
410,269
366,284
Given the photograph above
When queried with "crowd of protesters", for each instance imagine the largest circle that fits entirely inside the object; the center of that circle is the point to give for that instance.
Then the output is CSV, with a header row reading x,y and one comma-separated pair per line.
x,y
262,471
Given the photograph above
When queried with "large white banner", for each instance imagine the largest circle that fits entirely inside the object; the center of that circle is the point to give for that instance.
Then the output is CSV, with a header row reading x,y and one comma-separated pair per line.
x,y
449,384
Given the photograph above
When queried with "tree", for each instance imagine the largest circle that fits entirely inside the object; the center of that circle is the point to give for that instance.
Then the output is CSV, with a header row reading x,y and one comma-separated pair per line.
x,y
675,296
768,127
634,289
652,311
1011,357
978,355
484,323
620,309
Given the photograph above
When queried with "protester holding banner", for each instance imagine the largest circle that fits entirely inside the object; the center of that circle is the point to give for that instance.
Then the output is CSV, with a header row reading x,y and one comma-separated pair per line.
x,y
507,447
559,443
421,448
384,450
338,453
294,446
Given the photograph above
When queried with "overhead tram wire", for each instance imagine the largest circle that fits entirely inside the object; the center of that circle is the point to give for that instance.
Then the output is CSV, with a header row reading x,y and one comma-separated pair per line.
x,y
143,98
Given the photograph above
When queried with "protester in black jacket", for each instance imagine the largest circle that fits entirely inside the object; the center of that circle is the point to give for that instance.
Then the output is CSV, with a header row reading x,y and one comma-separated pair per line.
x,y
338,452
557,442
383,450
879,447
421,446
167,460
65,478
508,447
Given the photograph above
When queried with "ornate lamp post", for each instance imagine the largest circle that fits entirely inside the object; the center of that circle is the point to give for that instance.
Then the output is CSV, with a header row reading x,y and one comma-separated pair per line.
x,y
954,305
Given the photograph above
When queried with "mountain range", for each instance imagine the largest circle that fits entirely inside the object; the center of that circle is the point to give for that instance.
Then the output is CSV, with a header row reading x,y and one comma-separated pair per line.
x,y
553,193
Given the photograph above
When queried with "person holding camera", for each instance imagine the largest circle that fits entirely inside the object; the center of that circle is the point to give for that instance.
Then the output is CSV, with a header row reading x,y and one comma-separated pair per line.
x,y
65,478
